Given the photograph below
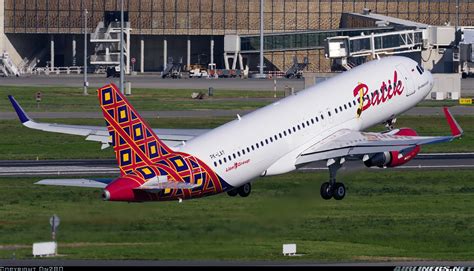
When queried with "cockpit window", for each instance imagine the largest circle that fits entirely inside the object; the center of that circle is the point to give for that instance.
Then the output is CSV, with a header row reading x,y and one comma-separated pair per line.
x,y
420,69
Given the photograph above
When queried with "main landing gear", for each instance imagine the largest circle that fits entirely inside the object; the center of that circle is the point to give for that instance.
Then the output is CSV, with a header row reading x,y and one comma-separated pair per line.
x,y
333,189
243,191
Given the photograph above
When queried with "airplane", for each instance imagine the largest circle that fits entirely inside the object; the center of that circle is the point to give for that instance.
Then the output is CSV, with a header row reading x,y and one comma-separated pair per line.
x,y
323,122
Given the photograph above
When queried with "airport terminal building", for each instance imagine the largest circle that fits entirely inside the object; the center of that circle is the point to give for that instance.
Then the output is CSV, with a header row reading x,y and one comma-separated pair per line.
x,y
51,32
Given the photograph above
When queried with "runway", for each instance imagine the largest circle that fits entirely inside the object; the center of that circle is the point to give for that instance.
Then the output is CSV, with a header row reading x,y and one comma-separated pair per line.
x,y
153,81
70,168
416,111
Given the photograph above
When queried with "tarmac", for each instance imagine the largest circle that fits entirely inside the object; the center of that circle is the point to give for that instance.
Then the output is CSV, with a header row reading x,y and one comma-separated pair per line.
x,y
205,113
155,81
108,167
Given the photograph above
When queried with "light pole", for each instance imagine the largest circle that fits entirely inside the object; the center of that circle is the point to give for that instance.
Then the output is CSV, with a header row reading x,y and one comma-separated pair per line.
x,y
86,84
261,75
122,74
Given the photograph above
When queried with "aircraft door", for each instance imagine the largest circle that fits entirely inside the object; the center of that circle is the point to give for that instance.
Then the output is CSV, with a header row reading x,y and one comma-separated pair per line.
x,y
405,76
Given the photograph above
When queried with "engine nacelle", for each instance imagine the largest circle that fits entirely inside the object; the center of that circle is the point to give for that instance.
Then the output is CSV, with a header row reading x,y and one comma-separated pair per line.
x,y
394,158
122,189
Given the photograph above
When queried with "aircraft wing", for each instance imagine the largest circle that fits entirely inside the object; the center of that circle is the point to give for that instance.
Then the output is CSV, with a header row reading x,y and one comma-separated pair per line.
x,y
351,143
171,137
92,183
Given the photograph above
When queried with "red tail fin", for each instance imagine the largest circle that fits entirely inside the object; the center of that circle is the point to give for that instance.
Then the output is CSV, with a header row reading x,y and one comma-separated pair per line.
x,y
134,142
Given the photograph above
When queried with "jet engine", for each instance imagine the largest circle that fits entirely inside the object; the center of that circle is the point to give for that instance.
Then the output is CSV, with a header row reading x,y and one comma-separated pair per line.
x,y
394,158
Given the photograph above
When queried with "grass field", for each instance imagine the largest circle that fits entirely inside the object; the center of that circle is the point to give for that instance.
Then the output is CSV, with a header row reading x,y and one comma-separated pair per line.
x,y
61,99
386,215
18,142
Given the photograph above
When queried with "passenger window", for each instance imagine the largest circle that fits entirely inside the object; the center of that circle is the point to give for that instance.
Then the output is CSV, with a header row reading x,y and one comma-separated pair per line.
x,y
225,160
234,156
284,133
215,164
253,148
220,162
243,152
335,109
312,121
280,135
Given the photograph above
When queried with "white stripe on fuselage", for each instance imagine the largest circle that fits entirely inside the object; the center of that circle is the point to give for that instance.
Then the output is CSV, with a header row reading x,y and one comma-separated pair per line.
x,y
276,156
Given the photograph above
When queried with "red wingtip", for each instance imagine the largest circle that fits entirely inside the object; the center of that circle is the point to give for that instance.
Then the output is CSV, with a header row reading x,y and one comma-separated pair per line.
x,y
456,130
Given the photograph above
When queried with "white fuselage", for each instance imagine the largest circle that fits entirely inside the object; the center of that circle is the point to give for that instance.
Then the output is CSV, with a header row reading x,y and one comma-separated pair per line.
x,y
235,150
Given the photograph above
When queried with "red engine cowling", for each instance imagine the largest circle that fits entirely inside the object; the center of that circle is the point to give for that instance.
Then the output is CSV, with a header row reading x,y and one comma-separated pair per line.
x,y
395,158
121,189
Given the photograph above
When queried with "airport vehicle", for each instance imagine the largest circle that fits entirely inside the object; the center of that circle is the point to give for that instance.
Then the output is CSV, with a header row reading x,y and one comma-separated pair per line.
x,y
198,73
323,122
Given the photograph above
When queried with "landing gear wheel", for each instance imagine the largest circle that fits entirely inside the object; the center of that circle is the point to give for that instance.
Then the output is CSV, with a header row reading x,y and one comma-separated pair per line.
x,y
244,190
326,191
339,191
233,192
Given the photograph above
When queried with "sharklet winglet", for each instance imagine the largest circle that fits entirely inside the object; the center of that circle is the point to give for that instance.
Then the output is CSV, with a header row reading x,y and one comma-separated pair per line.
x,y
456,130
19,110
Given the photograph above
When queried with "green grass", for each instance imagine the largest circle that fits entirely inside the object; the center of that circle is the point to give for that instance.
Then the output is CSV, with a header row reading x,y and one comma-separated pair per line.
x,y
61,99
18,142
386,215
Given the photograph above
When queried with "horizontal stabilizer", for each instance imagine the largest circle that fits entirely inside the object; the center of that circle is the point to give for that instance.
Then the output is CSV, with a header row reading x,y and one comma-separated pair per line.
x,y
98,183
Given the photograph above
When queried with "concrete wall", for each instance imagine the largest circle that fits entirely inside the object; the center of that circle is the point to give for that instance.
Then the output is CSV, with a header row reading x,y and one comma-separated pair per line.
x,y
445,83
5,43
2,25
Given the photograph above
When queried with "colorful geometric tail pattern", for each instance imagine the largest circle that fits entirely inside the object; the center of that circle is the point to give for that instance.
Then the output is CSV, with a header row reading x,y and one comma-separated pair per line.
x,y
141,155
133,140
